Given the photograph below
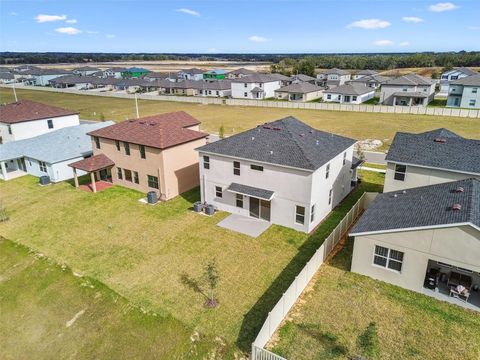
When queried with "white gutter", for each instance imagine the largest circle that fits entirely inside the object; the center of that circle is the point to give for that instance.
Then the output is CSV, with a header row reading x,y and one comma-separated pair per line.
x,y
415,229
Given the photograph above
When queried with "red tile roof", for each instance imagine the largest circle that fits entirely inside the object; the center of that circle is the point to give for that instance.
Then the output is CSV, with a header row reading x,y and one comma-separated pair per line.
x,y
93,163
159,131
26,110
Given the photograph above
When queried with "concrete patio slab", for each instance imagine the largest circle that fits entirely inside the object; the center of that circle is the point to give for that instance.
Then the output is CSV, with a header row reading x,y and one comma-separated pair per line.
x,y
245,225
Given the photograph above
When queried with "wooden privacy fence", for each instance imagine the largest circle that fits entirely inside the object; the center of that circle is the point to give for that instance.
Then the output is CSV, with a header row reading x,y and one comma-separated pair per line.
x,y
415,110
289,298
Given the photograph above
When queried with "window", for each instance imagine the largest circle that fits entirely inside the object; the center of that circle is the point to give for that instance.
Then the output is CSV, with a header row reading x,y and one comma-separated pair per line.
x,y
400,171
404,89
142,151
388,258
50,124
217,92
97,142
327,171
454,77
245,94
329,96
330,193
117,144
312,213
245,85
354,98
472,103
474,90
43,166
127,148
344,158
206,162
128,174
300,215
218,191
236,168
136,180
152,181
120,174
10,129
239,200
256,167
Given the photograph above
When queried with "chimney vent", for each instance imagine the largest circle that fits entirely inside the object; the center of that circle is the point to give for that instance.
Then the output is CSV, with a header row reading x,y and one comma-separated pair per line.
x,y
440,140
456,207
459,190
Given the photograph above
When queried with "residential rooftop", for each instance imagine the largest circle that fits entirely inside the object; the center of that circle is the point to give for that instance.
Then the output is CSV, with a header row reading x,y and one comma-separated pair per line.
x,y
334,71
300,88
471,80
411,79
261,78
350,89
285,142
440,205
441,149
27,110
366,72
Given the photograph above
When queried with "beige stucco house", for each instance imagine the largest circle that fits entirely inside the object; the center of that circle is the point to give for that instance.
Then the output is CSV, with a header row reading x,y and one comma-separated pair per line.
x,y
425,239
154,153
431,157
299,91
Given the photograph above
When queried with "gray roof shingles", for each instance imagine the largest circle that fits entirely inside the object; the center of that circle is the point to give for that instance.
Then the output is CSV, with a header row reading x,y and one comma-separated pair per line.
x,y
422,207
301,87
285,142
455,154
251,191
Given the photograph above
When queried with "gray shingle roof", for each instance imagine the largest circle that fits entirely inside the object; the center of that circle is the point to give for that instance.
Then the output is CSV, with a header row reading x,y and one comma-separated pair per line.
x,y
366,72
371,79
251,191
261,78
410,94
455,154
466,70
285,142
59,145
350,89
472,80
302,77
302,87
411,79
335,71
425,206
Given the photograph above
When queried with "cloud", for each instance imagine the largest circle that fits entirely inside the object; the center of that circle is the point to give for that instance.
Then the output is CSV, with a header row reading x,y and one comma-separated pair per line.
x,y
412,19
68,30
110,36
42,18
404,43
71,21
369,24
383,42
256,38
188,12
440,7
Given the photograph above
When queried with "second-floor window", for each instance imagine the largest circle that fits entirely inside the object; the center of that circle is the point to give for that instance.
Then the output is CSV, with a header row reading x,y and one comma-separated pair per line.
x,y
50,124
474,90
206,162
245,85
10,129
256,167
117,144
97,142
400,171
344,158
236,168
142,151
126,145
327,171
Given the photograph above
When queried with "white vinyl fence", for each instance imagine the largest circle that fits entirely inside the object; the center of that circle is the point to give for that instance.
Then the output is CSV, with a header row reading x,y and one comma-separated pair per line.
x,y
415,110
289,298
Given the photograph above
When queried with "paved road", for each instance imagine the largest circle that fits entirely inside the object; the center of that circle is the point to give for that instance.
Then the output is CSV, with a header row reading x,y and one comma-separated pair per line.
x,y
374,157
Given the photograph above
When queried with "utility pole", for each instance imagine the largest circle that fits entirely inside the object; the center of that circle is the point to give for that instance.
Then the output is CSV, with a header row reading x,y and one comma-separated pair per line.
x,y
14,91
136,105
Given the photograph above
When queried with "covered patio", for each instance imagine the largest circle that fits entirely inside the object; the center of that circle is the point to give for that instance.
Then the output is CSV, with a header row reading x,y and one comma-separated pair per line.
x,y
99,167
410,98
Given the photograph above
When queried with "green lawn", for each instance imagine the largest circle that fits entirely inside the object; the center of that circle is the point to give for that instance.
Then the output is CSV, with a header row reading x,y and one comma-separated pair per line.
x,y
347,314
47,313
438,103
144,252
239,118
375,166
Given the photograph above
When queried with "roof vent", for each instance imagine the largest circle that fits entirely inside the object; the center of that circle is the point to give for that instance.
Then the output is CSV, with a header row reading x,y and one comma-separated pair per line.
x,y
302,135
459,189
253,138
394,195
318,142
276,128
404,191
456,207
440,140
271,152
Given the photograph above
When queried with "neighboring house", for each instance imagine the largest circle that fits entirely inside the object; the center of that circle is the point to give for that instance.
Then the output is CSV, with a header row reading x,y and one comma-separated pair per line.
x,y
48,154
214,75
299,78
191,74
333,77
113,72
73,81
239,73
25,119
431,157
183,87
283,172
408,90
361,73
156,76
451,75
155,153
85,70
425,239
134,72
214,88
42,77
257,86
6,77
300,91
349,93
371,81
465,92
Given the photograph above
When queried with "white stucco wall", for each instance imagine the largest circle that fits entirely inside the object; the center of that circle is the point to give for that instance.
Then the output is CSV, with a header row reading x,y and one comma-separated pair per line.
x,y
59,171
341,98
387,91
29,129
239,89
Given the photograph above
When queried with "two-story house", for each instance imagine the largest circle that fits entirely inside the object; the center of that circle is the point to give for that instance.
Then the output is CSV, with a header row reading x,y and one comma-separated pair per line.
x,y
371,81
351,93
191,74
85,70
257,86
465,92
25,119
333,77
284,172
431,157
154,153
451,75
408,90
361,73
239,73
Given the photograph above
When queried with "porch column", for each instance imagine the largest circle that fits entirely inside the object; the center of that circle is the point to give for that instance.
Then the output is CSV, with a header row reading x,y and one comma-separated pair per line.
x,y
394,100
410,102
92,179
75,177
4,170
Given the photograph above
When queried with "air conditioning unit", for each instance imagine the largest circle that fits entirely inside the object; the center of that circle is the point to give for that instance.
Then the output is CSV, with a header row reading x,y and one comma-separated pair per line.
x,y
44,180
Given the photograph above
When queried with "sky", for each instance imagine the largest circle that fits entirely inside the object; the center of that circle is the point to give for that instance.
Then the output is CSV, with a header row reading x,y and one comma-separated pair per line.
x,y
249,26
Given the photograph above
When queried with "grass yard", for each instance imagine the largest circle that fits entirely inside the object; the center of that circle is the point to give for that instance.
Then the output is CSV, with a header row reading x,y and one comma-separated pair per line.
x,y
239,118
347,314
47,313
145,253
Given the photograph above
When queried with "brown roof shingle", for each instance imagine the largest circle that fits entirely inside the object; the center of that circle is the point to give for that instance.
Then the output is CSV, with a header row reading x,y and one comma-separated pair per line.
x,y
93,163
26,110
159,131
